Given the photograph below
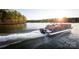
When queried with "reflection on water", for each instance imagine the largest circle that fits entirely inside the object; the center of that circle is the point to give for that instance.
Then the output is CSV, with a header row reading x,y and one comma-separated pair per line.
x,y
36,25
8,28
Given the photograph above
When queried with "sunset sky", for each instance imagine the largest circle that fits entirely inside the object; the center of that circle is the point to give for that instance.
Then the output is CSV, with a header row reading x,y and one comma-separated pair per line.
x,y
37,14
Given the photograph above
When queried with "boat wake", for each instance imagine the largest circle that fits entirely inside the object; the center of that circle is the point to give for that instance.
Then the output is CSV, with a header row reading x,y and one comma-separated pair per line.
x,y
31,35
23,36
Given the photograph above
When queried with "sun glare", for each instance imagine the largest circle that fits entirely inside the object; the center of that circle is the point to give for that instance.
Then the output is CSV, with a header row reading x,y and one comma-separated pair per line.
x,y
60,15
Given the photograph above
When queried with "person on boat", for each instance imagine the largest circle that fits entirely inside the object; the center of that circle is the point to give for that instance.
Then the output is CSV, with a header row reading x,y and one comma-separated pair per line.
x,y
43,31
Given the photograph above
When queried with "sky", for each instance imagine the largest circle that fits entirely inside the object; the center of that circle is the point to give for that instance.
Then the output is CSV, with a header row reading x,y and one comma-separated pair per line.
x,y
37,14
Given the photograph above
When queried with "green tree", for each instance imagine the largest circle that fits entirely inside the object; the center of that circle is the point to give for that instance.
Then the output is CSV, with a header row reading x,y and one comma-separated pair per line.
x,y
13,15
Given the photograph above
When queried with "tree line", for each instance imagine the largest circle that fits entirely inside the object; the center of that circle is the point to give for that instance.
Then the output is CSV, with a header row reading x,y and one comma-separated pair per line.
x,y
37,21
11,16
66,20
55,20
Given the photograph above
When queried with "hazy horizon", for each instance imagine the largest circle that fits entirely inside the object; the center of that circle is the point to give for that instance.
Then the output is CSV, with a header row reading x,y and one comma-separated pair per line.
x,y
37,14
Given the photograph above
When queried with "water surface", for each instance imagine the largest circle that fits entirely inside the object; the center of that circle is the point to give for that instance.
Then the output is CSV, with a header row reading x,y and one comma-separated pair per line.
x,y
63,40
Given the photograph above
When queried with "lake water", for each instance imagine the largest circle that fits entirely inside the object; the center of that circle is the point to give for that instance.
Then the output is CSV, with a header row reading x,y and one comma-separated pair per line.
x,y
42,25
68,40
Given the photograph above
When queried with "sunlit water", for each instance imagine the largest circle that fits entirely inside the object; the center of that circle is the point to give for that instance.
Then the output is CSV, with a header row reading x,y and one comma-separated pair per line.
x,y
67,40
